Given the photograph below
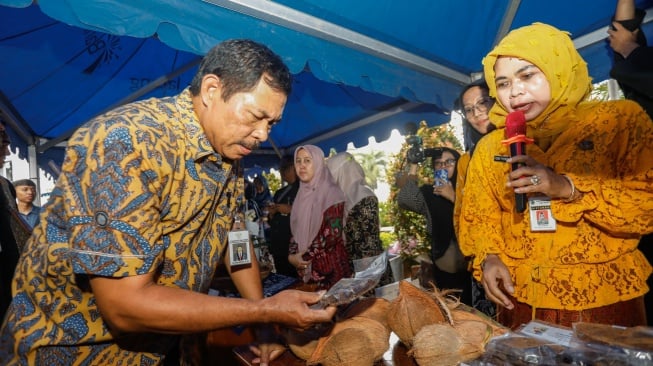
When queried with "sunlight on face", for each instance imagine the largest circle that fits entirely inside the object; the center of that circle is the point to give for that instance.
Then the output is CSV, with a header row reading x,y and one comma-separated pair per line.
x,y
304,166
521,86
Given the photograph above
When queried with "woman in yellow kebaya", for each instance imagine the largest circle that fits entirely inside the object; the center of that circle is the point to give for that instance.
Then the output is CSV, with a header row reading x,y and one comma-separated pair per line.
x,y
589,171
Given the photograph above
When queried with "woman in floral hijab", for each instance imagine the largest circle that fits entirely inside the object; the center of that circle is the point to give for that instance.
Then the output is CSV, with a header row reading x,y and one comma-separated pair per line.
x,y
590,168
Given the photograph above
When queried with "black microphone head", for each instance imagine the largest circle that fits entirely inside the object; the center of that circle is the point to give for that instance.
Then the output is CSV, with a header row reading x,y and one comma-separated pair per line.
x,y
515,124
410,128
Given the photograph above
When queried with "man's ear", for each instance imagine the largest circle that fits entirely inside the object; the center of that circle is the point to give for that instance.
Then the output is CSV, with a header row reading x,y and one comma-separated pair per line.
x,y
210,88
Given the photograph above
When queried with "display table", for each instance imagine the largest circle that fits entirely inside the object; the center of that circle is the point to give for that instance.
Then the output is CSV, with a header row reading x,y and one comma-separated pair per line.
x,y
395,356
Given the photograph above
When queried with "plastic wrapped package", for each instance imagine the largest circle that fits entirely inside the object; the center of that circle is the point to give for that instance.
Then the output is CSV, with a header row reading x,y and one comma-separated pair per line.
x,y
613,345
367,276
517,349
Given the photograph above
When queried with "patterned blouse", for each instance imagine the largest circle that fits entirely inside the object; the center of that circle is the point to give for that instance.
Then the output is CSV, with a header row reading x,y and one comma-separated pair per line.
x,y
592,259
141,191
362,237
327,253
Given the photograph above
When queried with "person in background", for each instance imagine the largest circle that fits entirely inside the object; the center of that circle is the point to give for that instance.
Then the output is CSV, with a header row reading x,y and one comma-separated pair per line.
x,y
279,217
633,59
362,225
593,179
633,70
262,194
121,263
474,103
25,194
436,203
317,248
9,250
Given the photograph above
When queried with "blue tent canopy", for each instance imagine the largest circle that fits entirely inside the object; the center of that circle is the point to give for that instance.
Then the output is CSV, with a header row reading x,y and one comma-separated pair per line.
x,y
361,68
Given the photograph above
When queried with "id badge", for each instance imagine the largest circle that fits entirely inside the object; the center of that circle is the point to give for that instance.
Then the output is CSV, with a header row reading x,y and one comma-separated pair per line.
x,y
541,215
239,253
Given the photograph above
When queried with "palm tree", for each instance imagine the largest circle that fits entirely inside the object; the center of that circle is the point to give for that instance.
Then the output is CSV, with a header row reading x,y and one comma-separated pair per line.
x,y
373,164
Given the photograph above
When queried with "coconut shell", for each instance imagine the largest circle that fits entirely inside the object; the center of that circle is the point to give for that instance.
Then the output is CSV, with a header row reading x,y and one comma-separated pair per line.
x,y
462,314
303,343
357,341
436,344
474,332
373,308
412,309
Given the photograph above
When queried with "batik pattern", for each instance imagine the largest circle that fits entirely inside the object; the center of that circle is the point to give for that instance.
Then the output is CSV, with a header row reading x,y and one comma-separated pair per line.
x,y
136,195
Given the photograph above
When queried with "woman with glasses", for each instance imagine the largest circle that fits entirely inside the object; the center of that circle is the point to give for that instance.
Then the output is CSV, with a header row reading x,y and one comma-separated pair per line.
x,y
473,103
436,203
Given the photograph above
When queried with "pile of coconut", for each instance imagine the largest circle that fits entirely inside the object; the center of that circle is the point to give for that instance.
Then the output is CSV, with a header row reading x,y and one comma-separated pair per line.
x,y
434,325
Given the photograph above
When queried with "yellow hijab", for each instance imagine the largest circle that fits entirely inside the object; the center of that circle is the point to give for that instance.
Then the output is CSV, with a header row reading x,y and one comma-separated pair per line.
x,y
553,52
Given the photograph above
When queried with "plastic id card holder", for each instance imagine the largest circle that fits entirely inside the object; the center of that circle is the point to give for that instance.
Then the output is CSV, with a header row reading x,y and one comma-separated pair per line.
x,y
540,214
239,253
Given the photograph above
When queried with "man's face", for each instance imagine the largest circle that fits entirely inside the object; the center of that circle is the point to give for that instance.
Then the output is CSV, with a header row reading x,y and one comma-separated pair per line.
x,y
4,145
238,126
25,194
288,174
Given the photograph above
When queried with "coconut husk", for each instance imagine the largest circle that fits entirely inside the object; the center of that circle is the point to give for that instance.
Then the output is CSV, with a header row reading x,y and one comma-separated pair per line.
x,y
357,341
474,333
465,313
372,307
302,343
436,344
411,310
442,344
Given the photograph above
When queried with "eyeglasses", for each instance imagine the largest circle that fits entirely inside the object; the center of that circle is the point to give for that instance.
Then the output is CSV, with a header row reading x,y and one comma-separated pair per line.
x,y
481,106
444,164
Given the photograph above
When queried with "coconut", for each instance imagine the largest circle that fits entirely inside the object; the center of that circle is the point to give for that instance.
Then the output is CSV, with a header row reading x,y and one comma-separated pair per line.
x,y
372,307
475,335
303,343
436,344
471,314
357,341
411,310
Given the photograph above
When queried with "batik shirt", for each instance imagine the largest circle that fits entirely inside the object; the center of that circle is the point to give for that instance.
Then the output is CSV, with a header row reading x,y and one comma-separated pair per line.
x,y
591,260
141,191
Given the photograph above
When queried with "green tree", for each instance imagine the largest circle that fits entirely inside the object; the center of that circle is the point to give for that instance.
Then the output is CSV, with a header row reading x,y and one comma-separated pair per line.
x,y
373,164
408,224
274,181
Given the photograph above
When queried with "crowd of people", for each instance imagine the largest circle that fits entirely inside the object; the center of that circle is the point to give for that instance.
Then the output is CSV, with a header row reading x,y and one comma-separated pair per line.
x,y
118,264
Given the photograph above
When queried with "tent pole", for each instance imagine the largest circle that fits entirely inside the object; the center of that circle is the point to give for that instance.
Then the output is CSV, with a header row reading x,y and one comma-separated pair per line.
x,y
34,175
274,146
506,22
290,18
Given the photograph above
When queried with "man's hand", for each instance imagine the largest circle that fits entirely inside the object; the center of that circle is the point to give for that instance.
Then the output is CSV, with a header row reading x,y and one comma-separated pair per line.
x,y
292,308
495,274
266,352
269,345
622,40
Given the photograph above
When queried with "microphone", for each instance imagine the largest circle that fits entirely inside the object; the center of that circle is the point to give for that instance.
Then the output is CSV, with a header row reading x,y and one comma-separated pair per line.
x,y
515,134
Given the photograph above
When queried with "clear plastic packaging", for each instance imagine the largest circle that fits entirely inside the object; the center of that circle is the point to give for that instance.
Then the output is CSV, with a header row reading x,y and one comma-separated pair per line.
x,y
368,272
